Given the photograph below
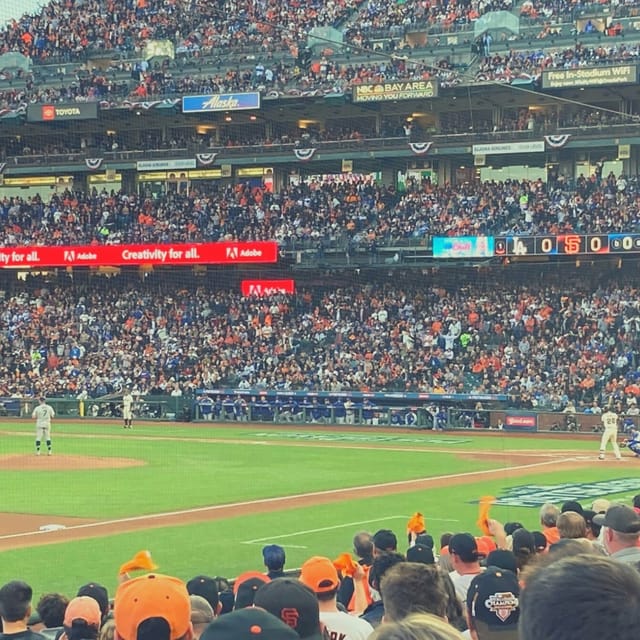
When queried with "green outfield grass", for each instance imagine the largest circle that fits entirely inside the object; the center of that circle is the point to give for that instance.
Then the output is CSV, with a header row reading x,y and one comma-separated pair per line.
x,y
215,465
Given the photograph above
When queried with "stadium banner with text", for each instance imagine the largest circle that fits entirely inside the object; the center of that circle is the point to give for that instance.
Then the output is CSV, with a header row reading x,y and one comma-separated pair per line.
x,y
64,111
165,165
590,76
521,422
463,247
262,288
400,90
221,102
535,146
138,254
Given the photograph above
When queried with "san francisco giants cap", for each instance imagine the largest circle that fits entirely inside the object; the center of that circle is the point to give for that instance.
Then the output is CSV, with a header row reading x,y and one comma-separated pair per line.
x,y
294,603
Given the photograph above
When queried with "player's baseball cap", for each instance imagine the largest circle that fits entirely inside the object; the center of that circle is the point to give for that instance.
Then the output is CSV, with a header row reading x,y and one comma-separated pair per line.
x,y
84,610
493,604
250,623
294,603
464,545
319,574
152,596
245,587
98,593
620,518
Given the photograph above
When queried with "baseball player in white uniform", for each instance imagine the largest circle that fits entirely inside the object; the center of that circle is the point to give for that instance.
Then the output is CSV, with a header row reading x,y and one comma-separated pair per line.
x,y
127,408
610,420
42,414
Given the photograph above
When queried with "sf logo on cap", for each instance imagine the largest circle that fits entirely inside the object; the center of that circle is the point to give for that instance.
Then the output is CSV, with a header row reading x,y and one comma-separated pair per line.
x,y
290,615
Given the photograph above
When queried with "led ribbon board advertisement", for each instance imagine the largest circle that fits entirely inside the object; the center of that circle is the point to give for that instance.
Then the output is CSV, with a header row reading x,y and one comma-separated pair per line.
x,y
138,254
221,102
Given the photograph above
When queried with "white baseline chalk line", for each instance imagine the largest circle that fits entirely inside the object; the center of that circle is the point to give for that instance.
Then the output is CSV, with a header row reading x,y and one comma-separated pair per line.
x,y
249,503
332,528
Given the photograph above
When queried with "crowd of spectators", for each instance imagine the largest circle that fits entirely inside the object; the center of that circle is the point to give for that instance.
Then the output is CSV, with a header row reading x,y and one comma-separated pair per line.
x,y
63,32
338,215
572,575
566,10
529,65
394,19
543,344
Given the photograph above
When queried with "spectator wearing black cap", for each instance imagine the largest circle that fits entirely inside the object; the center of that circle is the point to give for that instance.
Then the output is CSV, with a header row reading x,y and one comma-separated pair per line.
x,y
523,546
621,532
572,505
503,559
294,603
99,594
465,558
493,605
584,597
540,541
206,588
420,553
384,540
251,623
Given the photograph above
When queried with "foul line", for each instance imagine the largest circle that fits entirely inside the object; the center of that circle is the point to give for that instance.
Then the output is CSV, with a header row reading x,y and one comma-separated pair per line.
x,y
312,494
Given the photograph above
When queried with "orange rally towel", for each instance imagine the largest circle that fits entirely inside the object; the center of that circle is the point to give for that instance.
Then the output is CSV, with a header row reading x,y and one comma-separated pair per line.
x,y
142,560
345,564
416,523
483,513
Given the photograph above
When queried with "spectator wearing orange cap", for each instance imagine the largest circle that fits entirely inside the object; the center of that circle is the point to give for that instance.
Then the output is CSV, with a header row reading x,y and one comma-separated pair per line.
x,y
152,607
82,619
319,574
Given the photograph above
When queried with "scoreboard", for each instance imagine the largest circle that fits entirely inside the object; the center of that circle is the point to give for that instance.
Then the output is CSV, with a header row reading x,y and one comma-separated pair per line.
x,y
571,244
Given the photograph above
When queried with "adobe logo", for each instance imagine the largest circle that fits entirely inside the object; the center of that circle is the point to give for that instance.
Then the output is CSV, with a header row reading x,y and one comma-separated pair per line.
x,y
48,112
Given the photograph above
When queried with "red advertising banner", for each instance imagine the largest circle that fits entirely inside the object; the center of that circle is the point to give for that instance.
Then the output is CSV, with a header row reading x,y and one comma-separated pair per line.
x,y
137,254
262,288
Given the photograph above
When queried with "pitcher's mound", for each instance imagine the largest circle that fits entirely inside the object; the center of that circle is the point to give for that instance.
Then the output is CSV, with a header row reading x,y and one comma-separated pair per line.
x,y
61,462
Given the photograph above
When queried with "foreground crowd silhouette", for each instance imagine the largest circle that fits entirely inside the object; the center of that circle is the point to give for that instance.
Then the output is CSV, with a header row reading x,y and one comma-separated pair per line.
x,y
575,578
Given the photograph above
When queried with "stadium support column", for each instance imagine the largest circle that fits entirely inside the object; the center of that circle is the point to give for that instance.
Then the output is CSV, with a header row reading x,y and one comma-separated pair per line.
x,y
389,177
129,181
81,182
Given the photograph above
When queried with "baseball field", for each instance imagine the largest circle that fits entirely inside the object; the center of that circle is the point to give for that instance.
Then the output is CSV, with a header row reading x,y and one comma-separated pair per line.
x,y
206,498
